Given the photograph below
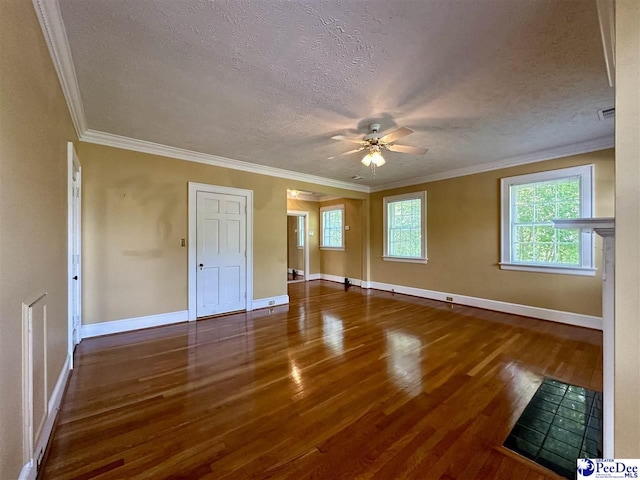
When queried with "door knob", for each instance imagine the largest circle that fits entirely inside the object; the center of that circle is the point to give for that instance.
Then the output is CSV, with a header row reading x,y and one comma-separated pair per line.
x,y
75,277
201,266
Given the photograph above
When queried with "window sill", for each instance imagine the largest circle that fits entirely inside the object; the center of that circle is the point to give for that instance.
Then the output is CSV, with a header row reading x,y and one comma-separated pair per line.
x,y
338,249
300,248
405,259
585,272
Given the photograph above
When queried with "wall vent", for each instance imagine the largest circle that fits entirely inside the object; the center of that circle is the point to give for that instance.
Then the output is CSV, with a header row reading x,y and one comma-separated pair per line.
x,y
607,113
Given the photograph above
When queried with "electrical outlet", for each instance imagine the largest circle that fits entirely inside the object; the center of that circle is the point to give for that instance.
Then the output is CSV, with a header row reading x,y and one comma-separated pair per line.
x,y
449,299
183,242
272,302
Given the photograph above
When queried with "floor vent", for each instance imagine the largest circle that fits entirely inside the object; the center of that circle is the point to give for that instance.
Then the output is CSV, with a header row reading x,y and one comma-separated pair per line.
x,y
607,113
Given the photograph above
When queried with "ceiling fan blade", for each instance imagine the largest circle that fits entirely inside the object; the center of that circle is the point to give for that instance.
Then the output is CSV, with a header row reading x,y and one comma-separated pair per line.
x,y
407,149
347,153
346,139
395,135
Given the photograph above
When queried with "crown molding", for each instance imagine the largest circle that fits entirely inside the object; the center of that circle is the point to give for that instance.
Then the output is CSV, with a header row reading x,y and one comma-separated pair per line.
x,y
51,22
607,19
118,141
540,156
55,35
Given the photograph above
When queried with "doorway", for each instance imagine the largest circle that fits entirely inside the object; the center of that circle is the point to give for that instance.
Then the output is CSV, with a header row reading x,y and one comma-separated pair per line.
x,y
220,250
297,246
74,246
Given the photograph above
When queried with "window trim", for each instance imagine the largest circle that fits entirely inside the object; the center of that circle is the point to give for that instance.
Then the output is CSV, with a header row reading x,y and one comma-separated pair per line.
x,y
301,232
326,209
586,211
422,196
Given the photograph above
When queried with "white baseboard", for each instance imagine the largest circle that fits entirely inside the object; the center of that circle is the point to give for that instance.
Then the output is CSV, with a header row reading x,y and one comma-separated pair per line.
x,y
128,324
313,276
559,316
270,302
299,272
30,470
335,278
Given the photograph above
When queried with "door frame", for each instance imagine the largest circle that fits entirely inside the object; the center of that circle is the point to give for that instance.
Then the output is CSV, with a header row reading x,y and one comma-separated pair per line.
x,y
194,188
74,199
300,213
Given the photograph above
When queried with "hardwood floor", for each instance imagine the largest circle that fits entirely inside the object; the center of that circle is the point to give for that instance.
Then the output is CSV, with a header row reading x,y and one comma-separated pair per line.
x,y
358,384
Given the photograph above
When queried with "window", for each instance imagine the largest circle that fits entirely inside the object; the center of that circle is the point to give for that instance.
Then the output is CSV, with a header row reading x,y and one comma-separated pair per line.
x,y
530,203
332,225
405,224
300,231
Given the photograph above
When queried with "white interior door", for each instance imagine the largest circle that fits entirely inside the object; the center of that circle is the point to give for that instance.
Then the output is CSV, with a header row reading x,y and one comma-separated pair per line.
x,y
221,253
75,247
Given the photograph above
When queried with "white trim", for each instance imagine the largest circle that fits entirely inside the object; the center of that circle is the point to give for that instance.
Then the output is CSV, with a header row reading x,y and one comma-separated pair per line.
x,y
335,278
419,195
587,181
330,208
311,196
405,259
585,272
50,18
29,470
55,34
570,318
607,19
305,214
118,141
290,270
191,266
574,149
264,302
73,163
313,276
601,224
136,323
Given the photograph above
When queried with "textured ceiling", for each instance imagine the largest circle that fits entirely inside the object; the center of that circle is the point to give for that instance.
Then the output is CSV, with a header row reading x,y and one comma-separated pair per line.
x,y
270,82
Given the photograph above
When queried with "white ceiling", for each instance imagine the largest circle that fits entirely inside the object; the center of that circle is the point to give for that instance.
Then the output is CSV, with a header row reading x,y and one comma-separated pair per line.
x,y
269,82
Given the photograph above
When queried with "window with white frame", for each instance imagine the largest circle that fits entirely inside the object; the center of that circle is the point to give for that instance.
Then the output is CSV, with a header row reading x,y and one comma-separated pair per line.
x,y
332,227
405,227
530,203
301,231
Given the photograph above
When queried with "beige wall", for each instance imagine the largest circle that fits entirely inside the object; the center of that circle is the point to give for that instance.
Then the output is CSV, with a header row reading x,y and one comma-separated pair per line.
x,y
627,303
134,215
463,242
313,227
346,263
295,254
34,129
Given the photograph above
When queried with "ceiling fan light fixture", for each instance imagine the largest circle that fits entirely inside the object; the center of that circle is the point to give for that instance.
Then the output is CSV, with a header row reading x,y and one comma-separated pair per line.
x,y
376,159
373,157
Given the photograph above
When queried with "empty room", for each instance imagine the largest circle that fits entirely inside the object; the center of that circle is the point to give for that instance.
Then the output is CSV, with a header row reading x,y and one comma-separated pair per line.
x,y
319,239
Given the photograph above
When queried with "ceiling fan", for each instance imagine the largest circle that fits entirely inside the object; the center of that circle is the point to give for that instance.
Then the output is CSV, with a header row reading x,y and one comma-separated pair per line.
x,y
374,142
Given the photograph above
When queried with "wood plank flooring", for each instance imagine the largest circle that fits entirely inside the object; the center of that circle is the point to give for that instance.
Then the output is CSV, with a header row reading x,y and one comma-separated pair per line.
x,y
358,384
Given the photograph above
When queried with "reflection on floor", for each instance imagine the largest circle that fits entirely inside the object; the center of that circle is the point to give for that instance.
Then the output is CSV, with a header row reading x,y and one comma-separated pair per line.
x,y
294,277
337,384
561,424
